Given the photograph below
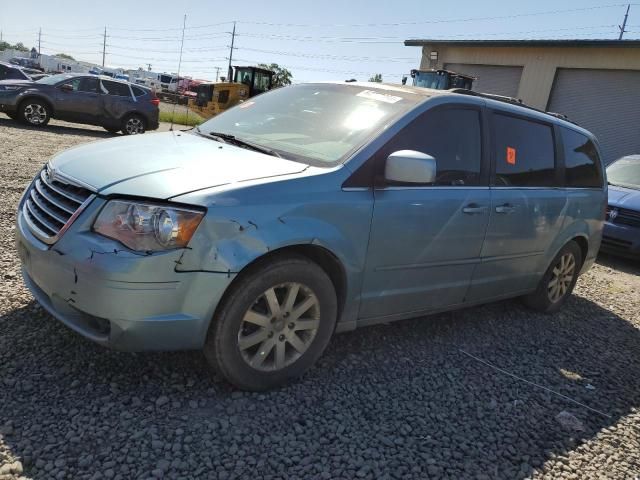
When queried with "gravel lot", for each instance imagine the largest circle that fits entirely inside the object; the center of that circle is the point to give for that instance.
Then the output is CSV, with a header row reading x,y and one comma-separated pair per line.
x,y
416,399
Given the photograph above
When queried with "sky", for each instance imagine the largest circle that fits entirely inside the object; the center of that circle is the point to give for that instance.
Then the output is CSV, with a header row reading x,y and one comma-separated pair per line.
x,y
315,40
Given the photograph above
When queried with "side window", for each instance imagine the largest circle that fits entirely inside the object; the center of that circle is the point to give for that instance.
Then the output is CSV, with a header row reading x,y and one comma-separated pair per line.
x,y
524,152
116,88
15,74
581,160
452,136
88,84
75,83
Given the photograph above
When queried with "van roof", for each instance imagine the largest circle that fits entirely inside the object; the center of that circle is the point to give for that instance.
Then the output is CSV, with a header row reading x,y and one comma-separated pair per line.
x,y
495,101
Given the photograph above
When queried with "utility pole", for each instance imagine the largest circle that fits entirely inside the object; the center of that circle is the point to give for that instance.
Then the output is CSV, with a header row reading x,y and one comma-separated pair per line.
x,y
104,46
624,23
217,73
39,40
233,37
148,67
184,26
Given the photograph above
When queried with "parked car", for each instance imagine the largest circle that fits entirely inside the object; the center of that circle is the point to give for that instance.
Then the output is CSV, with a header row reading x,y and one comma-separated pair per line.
x,y
81,98
621,234
311,209
12,72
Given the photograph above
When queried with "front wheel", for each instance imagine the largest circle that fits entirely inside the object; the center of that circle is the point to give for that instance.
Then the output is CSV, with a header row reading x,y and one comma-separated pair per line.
x,y
273,325
558,281
35,113
133,125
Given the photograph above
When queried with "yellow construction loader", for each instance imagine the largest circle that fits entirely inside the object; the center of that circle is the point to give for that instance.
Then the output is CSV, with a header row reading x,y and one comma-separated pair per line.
x,y
214,98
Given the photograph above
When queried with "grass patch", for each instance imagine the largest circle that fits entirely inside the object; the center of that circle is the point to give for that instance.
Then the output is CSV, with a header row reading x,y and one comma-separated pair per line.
x,y
181,118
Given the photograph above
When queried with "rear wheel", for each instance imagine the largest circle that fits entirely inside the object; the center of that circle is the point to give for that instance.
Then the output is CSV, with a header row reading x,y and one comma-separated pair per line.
x,y
133,125
558,281
273,325
34,112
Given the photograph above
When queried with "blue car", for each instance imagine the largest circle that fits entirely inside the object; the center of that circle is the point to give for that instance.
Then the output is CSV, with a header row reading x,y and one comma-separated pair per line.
x,y
621,234
309,210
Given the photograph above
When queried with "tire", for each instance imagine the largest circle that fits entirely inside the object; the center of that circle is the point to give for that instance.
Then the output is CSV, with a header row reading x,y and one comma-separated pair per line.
x,y
34,112
133,124
270,350
111,129
563,273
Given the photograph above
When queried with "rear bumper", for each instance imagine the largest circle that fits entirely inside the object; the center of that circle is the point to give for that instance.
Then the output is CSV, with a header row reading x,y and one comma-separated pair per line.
x,y
621,240
118,298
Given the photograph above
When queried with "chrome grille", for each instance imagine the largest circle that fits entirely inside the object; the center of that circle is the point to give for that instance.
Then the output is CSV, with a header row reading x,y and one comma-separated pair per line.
x,y
51,206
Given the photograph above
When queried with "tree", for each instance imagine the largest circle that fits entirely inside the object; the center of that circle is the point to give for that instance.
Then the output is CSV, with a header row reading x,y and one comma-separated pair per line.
x,y
64,55
18,46
282,76
376,78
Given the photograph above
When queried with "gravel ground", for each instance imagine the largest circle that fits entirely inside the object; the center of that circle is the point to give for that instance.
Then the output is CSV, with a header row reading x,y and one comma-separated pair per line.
x,y
416,399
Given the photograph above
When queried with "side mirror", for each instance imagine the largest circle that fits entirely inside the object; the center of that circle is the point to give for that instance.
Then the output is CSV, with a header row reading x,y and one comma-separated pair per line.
x,y
409,166
67,87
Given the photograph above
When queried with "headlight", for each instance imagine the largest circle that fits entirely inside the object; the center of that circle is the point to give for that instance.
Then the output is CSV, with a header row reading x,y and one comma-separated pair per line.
x,y
147,227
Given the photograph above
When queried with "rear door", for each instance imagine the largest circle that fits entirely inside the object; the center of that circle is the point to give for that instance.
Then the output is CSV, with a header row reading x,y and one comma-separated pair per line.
x,y
118,100
528,207
426,239
82,104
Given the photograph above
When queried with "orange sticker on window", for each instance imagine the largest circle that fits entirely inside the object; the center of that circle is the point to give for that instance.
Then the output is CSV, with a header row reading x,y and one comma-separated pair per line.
x,y
511,155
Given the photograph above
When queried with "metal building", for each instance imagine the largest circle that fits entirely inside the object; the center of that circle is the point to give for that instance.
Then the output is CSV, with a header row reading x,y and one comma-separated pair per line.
x,y
596,83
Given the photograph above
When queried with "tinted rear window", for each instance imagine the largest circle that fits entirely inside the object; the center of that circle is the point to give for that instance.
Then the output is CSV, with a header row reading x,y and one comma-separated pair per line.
x,y
524,152
582,163
138,92
116,88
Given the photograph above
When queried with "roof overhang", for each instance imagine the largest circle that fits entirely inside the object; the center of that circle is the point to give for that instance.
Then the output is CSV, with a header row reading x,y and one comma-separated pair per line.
x,y
524,43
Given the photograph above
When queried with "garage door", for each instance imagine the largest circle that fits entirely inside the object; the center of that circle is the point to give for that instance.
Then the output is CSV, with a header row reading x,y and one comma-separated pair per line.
x,y
606,102
491,78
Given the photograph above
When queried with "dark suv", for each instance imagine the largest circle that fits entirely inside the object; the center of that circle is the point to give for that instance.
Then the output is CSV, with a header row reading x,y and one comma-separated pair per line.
x,y
81,98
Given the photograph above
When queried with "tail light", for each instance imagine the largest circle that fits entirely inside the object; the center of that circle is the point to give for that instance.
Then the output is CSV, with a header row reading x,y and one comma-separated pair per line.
x,y
155,101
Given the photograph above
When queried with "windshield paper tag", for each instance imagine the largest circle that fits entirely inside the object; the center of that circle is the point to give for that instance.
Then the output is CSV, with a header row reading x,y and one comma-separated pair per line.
x,y
511,155
381,97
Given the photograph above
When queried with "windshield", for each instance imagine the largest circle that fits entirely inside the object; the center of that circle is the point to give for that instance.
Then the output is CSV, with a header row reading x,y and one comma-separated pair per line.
x,y
315,124
625,172
53,79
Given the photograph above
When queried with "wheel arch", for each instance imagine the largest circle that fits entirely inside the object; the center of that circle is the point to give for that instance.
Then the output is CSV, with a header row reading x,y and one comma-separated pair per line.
x,y
320,255
41,98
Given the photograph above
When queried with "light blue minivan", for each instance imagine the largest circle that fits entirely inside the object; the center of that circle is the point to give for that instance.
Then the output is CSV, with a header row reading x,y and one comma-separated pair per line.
x,y
309,210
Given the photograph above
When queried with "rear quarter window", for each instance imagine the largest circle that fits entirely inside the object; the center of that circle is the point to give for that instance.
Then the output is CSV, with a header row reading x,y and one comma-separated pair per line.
x,y
581,160
524,152
139,92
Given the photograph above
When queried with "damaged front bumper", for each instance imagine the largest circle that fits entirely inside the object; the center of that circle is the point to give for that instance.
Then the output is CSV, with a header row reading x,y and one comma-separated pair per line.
x,y
116,297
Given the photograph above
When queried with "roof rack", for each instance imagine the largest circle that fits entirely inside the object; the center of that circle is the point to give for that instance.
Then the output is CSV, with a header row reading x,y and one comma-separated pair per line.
x,y
511,101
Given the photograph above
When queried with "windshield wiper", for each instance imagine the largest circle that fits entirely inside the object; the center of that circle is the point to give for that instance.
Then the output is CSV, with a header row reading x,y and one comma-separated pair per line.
x,y
228,138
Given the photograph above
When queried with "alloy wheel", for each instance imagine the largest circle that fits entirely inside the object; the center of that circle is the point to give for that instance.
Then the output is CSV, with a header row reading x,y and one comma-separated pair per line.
x,y
134,126
35,113
279,327
561,277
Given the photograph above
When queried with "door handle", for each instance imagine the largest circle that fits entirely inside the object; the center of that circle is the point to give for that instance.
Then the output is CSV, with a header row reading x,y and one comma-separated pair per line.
x,y
474,209
506,208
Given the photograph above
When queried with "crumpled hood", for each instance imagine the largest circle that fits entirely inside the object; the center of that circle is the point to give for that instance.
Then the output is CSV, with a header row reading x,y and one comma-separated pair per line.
x,y
624,197
164,165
